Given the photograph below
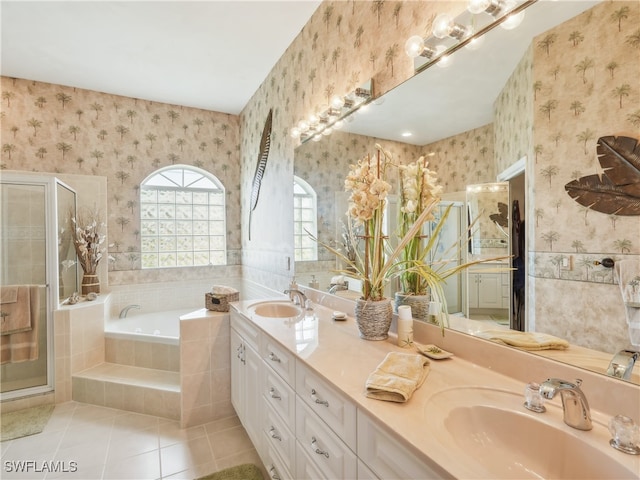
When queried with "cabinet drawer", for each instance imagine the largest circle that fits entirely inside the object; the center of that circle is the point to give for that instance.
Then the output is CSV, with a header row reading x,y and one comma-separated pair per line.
x,y
279,358
322,446
387,458
249,332
279,396
330,405
278,437
275,467
306,469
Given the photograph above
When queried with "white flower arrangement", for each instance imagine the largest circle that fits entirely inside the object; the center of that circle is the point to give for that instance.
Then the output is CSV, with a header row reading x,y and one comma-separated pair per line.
x,y
418,191
88,239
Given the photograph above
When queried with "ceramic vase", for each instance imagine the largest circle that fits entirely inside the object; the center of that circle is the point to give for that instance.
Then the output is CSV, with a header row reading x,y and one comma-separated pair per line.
x,y
419,304
374,318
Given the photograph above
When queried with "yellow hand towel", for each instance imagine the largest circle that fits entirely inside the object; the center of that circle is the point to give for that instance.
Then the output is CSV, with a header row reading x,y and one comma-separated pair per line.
x,y
525,340
397,377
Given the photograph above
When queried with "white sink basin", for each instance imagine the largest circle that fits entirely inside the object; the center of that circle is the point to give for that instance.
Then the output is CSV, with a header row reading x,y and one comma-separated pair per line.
x,y
275,309
498,437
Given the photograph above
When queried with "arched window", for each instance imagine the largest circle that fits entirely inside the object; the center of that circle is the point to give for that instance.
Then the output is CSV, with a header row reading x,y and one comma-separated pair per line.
x,y
182,218
305,215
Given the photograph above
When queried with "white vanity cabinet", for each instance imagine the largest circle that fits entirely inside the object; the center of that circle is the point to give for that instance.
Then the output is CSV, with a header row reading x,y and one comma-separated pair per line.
x,y
279,403
246,374
485,290
302,426
384,457
325,428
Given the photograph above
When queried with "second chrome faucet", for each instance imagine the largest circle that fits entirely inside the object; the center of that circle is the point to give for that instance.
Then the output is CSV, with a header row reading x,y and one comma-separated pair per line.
x,y
574,402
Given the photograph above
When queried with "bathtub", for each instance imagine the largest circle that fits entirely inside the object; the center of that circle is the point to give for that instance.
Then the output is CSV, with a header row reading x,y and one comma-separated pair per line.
x,y
154,327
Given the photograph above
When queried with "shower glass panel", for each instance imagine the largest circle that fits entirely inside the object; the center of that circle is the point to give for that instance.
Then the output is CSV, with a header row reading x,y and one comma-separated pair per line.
x,y
23,280
67,264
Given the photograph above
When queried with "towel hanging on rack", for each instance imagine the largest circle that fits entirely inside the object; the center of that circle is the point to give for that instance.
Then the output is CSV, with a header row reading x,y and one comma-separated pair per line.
x,y
22,346
15,309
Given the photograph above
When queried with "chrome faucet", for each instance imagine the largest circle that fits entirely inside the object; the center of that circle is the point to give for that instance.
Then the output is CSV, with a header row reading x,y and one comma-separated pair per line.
x,y
297,295
337,287
622,363
574,403
125,310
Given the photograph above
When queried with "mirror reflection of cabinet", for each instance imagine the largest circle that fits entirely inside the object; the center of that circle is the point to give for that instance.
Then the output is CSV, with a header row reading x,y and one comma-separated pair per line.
x,y
488,284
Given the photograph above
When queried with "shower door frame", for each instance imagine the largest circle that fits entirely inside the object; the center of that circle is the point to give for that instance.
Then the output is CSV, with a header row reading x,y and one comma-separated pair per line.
x,y
50,184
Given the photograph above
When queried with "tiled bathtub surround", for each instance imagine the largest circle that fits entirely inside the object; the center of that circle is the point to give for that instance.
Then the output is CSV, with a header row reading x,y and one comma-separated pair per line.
x,y
154,297
142,354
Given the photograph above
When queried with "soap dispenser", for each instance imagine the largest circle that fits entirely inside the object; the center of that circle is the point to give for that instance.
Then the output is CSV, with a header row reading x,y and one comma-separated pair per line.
x,y
314,283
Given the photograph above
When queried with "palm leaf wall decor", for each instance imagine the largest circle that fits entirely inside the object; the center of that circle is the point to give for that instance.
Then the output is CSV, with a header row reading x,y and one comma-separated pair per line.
x,y
265,144
617,190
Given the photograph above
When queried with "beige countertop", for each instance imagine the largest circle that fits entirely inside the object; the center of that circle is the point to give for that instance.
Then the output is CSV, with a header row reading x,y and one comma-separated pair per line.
x,y
334,350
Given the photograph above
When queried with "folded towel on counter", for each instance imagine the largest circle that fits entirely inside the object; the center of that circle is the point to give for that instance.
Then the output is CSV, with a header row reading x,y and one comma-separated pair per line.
x,y
9,294
525,340
23,346
397,377
16,316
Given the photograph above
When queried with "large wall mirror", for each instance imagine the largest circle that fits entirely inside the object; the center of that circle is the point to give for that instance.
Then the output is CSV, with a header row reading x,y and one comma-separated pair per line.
x,y
471,120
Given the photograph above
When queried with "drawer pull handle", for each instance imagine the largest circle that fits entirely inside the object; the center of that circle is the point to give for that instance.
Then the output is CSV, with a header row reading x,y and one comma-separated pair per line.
x,y
314,397
274,434
274,473
274,358
273,393
316,449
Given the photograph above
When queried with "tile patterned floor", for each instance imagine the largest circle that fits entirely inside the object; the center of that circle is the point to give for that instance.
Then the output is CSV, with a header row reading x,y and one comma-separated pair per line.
x,y
88,442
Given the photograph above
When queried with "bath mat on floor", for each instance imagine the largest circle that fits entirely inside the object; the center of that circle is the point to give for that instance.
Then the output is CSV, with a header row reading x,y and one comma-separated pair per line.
x,y
247,471
22,423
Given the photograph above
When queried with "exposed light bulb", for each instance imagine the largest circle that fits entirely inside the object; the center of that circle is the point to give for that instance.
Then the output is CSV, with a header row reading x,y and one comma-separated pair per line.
x,y
513,20
338,125
337,102
313,119
478,6
442,25
303,126
414,46
316,138
295,132
327,131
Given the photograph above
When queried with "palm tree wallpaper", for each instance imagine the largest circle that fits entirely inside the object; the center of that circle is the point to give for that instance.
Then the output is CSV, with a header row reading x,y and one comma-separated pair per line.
x,y
53,128
576,83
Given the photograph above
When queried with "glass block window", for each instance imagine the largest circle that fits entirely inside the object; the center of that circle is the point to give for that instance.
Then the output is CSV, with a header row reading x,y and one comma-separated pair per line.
x,y
305,217
182,218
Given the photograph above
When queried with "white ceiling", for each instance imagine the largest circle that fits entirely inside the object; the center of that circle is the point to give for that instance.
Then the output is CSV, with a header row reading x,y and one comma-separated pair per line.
x,y
206,54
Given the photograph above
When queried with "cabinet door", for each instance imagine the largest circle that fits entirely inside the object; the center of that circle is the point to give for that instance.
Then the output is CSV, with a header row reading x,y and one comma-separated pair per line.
x,y
490,290
387,458
473,289
237,377
253,395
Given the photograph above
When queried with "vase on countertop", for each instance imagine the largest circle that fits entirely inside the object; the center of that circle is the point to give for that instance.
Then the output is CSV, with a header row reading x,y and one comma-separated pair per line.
x,y
374,318
90,284
419,304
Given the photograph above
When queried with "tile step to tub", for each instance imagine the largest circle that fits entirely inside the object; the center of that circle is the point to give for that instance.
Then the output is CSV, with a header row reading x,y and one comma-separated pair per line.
x,y
135,389
130,375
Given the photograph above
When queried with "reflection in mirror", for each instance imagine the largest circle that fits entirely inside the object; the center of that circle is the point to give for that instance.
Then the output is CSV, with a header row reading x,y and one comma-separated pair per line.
x,y
488,209
489,283
474,120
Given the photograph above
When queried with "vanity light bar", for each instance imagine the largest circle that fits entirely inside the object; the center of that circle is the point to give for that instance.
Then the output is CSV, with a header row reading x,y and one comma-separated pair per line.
x,y
331,117
450,34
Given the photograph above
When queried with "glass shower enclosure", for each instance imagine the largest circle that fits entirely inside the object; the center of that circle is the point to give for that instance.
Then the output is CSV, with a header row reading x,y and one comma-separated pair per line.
x,y
37,271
